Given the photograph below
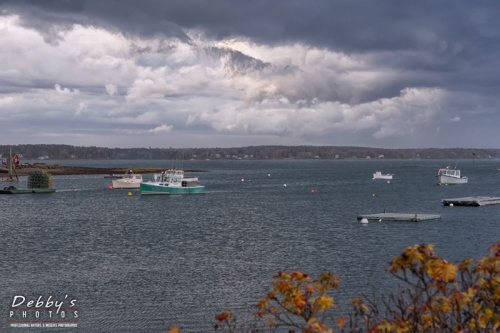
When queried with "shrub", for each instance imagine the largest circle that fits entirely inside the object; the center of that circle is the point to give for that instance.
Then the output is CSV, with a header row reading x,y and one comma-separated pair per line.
x,y
438,296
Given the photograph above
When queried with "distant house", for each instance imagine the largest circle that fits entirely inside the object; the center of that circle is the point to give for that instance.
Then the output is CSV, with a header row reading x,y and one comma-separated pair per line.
x,y
337,156
381,156
46,157
368,157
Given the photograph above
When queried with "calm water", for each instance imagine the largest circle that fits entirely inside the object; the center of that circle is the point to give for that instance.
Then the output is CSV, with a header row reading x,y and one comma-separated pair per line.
x,y
142,264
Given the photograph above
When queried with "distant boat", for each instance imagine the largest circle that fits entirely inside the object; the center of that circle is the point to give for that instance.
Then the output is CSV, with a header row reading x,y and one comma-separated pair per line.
x,y
379,175
172,181
129,180
450,176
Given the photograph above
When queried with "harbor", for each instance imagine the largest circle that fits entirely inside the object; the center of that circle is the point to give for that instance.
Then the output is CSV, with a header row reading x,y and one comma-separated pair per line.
x,y
232,238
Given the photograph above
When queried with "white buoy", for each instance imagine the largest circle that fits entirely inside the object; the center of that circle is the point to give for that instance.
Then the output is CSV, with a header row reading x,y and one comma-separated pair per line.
x,y
242,179
451,205
284,185
364,220
388,182
269,175
380,220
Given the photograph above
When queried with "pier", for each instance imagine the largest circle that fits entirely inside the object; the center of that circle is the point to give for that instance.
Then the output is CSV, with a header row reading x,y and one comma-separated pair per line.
x,y
472,201
399,217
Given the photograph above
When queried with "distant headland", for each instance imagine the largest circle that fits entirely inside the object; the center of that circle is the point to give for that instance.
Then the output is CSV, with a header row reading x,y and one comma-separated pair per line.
x,y
66,152
56,169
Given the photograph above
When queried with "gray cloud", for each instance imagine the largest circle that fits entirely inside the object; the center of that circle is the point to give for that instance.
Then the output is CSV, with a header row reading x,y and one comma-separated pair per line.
x,y
312,72
351,26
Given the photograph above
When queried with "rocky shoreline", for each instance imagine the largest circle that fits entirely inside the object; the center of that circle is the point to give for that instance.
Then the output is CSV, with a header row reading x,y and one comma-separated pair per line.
x,y
56,169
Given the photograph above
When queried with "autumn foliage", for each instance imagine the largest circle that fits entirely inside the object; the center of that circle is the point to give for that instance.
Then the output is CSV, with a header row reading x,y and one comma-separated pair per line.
x,y
438,296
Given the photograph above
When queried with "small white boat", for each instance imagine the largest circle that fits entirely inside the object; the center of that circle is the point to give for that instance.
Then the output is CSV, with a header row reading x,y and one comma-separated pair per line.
x,y
449,176
379,175
129,180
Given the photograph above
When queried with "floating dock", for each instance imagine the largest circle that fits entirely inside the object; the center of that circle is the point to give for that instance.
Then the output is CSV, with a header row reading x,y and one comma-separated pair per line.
x,y
11,190
399,217
472,201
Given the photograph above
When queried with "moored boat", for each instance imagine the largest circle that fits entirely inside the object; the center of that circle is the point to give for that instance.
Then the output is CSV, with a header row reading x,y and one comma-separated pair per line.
x,y
449,176
379,175
129,181
172,181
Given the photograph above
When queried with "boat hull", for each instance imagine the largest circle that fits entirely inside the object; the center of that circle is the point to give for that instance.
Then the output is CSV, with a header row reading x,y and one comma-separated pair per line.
x,y
151,188
447,180
118,184
379,175
383,177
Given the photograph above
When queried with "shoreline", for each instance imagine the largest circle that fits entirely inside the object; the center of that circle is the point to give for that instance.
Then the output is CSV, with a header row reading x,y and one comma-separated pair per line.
x,y
60,170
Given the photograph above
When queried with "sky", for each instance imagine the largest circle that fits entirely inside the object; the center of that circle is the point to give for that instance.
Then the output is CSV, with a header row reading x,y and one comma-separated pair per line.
x,y
230,73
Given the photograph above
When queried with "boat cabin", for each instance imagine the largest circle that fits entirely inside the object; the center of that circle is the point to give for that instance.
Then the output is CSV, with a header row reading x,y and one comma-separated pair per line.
x,y
171,176
132,176
449,172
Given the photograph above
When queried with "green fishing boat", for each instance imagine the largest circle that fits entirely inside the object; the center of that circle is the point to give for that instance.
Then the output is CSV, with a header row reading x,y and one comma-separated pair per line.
x,y
172,181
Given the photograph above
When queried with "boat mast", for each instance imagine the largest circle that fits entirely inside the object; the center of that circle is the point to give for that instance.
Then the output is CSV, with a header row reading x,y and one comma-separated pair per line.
x,y
12,168
10,164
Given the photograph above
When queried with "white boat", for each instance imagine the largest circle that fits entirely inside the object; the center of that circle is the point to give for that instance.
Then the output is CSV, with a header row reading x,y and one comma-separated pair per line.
x,y
449,176
129,180
379,175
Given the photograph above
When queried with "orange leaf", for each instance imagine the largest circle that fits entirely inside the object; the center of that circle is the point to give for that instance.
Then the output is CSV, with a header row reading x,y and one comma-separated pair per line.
x,y
174,329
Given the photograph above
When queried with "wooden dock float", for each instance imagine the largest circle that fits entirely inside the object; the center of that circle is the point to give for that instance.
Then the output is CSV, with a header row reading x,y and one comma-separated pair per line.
x,y
399,217
28,191
472,201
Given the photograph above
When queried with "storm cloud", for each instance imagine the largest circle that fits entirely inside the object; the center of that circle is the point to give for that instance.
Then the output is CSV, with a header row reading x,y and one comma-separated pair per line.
x,y
229,73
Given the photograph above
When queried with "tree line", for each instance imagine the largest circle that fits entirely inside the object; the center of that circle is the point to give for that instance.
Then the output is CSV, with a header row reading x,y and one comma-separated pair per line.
x,y
62,152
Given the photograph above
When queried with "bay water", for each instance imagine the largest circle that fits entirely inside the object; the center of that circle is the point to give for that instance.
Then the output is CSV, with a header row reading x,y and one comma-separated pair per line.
x,y
144,263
